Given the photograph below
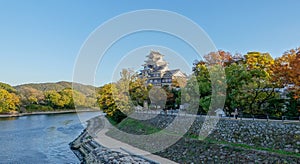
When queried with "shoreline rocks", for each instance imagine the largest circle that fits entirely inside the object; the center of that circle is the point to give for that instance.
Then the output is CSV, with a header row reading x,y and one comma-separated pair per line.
x,y
89,151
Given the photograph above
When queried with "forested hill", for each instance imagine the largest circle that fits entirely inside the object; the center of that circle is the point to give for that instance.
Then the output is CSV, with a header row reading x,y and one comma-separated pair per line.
x,y
46,97
58,86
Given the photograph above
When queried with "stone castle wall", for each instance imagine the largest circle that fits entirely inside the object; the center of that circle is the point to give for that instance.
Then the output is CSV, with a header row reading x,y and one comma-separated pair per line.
x,y
273,135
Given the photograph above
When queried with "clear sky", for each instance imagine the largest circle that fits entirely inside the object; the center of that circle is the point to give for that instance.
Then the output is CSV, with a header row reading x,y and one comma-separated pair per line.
x,y
40,40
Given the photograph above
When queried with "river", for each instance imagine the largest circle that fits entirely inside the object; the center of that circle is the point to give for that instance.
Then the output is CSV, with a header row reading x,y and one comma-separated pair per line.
x,y
41,138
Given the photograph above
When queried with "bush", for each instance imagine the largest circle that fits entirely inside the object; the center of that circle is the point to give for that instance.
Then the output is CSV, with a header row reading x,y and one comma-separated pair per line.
x,y
117,116
38,108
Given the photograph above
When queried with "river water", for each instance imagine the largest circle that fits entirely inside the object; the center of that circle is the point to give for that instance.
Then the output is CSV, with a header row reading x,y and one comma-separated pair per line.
x,y
41,138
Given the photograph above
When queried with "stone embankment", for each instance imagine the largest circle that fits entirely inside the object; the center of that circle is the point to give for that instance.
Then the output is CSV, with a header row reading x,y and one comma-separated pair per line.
x,y
89,151
272,135
231,141
188,150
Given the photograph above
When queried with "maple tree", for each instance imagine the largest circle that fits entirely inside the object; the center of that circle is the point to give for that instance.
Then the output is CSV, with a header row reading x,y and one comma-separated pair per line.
x,y
287,71
287,74
220,57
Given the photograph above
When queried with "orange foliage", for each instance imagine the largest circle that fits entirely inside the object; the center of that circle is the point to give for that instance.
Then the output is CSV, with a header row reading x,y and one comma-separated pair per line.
x,y
221,57
287,70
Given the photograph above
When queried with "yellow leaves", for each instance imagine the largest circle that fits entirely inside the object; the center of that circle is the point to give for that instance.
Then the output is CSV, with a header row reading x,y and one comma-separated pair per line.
x,y
8,101
260,61
32,99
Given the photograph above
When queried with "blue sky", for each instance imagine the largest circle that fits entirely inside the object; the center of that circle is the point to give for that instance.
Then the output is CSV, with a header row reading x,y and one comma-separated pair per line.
x,y
40,40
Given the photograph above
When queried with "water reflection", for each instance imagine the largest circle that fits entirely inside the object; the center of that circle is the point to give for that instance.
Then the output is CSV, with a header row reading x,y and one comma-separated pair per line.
x,y
7,118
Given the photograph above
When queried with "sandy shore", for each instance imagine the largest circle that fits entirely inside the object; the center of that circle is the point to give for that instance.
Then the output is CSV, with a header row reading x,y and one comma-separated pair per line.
x,y
49,112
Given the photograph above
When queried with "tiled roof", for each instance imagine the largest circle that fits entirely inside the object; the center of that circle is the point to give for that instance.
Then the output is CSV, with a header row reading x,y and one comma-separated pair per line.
x,y
169,73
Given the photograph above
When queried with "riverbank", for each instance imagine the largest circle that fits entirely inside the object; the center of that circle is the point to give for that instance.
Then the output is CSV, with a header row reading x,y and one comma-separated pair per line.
x,y
88,150
47,112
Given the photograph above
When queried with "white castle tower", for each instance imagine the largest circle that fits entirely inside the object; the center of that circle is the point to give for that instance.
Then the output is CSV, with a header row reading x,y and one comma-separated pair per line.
x,y
156,70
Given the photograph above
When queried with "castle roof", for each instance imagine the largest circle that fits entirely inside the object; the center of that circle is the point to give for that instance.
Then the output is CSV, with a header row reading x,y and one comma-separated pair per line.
x,y
154,53
170,73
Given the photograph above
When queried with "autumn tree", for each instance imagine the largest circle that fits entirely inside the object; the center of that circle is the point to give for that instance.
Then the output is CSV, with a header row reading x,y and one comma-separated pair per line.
x,y
259,88
178,82
107,103
54,99
30,95
287,71
260,61
8,101
139,90
8,88
287,74
220,57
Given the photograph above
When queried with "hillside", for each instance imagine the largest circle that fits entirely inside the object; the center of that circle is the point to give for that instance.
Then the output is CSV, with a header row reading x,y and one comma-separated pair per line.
x,y
7,87
58,86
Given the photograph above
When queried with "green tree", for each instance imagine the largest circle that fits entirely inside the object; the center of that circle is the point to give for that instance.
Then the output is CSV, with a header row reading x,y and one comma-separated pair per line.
x,y
121,92
211,82
236,77
249,90
138,90
158,97
202,76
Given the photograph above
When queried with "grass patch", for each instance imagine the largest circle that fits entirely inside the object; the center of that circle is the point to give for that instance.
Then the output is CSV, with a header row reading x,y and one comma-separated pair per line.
x,y
248,147
137,126
112,121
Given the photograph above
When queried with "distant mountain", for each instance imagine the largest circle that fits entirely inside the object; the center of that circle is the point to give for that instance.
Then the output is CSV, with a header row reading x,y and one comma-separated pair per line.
x,y
52,96
58,86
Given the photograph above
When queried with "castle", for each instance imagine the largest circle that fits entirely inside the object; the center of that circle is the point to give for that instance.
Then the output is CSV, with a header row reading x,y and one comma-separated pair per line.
x,y
157,73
